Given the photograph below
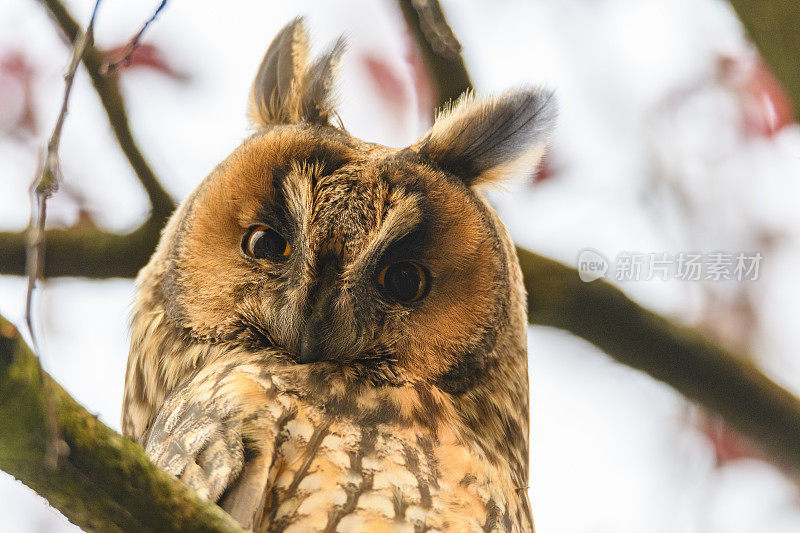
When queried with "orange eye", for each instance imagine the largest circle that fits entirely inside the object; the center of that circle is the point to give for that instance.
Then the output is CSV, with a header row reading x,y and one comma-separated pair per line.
x,y
262,242
405,281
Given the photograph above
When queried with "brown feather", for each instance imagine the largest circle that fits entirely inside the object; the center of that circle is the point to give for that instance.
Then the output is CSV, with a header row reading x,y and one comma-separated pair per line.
x,y
410,416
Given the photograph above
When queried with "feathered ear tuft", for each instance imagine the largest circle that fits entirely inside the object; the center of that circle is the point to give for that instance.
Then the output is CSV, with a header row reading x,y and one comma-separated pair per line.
x,y
482,141
286,89
318,96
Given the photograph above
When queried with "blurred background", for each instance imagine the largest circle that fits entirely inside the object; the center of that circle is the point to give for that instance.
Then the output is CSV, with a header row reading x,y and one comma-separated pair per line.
x,y
674,136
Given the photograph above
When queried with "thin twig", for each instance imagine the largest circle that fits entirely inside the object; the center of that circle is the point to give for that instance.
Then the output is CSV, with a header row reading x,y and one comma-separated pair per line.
x,y
43,188
47,181
133,44
107,88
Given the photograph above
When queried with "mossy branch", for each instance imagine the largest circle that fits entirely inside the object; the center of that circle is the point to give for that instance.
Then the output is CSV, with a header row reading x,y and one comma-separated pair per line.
x,y
85,252
103,481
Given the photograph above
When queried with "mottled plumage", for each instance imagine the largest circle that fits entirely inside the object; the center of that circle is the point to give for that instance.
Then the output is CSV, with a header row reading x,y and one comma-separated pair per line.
x,y
279,364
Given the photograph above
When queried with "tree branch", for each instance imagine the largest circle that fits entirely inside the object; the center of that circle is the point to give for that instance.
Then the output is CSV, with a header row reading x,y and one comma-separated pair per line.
x,y
44,186
133,43
104,482
773,27
679,356
107,88
90,252
439,47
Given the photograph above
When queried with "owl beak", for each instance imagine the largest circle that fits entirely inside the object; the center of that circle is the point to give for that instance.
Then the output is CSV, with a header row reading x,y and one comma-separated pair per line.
x,y
315,338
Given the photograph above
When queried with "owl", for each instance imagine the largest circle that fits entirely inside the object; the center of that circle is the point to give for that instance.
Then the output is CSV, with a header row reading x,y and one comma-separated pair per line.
x,y
331,334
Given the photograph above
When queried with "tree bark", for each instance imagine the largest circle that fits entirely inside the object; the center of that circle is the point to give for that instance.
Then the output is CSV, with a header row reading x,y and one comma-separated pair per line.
x,y
686,360
439,47
104,482
84,252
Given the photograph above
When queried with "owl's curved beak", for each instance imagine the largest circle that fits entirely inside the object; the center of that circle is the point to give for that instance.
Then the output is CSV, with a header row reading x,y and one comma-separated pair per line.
x,y
317,333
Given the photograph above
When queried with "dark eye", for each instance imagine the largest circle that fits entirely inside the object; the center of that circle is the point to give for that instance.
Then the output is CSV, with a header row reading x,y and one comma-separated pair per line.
x,y
405,281
261,242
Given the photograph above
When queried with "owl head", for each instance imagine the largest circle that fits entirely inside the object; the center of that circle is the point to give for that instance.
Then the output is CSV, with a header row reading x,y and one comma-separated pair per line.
x,y
377,265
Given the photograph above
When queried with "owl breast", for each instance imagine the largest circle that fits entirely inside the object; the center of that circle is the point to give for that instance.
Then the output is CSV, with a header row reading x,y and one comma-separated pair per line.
x,y
314,469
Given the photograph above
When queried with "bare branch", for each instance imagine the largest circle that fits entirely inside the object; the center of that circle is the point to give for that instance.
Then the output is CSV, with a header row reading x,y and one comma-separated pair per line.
x,y
92,252
133,44
107,88
439,47
45,185
701,370
89,252
104,482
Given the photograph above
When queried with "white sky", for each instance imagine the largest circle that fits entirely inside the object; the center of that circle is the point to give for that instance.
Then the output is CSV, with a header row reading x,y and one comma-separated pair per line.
x,y
612,450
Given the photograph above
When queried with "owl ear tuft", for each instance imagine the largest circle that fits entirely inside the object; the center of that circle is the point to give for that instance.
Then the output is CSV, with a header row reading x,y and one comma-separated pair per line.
x,y
287,90
483,141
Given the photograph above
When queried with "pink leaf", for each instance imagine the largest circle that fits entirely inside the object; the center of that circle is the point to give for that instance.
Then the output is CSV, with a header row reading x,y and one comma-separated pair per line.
x,y
765,105
16,94
728,445
143,56
391,87
421,77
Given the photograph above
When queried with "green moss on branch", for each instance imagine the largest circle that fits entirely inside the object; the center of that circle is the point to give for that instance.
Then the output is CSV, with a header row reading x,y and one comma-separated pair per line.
x,y
104,482
89,252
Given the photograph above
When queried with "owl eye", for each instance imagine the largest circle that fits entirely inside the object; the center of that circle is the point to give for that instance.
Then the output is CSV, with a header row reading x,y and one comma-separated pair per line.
x,y
405,281
261,242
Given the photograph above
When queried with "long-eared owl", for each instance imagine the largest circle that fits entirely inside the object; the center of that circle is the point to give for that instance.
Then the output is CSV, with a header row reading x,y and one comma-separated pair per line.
x,y
331,335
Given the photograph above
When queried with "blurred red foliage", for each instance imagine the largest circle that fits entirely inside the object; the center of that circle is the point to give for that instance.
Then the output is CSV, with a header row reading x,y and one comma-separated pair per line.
x,y
766,108
545,171
393,87
728,445
390,85
421,77
16,94
144,56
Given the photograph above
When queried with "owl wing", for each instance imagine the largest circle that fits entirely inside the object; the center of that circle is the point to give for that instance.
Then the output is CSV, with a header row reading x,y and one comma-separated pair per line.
x,y
202,445
243,435
200,432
